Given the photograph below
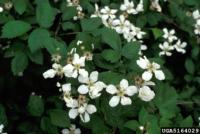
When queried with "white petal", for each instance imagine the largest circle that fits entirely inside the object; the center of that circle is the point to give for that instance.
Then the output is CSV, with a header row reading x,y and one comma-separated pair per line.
x,y
142,63
111,89
74,74
75,59
83,89
146,94
85,117
147,75
159,75
73,113
94,76
100,85
114,101
126,101
65,131
66,87
124,84
83,72
77,131
68,70
131,90
91,109
49,73
82,79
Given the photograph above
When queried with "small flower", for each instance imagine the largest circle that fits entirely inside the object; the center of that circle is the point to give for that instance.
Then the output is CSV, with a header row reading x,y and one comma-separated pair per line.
x,y
73,2
180,47
66,89
150,68
57,69
196,14
121,25
71,130
84,110
156,6
121,93
128,7
8,5
169,35
108,13
75,68
93,86
88,56
166,49
197,29
56,58
146,94
140,7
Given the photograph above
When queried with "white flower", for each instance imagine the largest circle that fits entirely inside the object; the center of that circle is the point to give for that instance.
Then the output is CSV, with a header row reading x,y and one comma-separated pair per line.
x,y
108,13
1,9
96,12
75,68
57,69
128,6
93,86
180,47
197,29
66,88
83,111
140,7
146,94
166,49
169,35
196,14
71,130
121,93
150,68
121,25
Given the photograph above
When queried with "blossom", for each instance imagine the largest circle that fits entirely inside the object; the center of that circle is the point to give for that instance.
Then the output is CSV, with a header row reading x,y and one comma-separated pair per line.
x,y
155,5
57,69
121,25
166,49
150,68
128,6
71,130
197,29
108,13
196,14
180,47
1,9
169,35
75,68
83,110
146,94
92,85
121,93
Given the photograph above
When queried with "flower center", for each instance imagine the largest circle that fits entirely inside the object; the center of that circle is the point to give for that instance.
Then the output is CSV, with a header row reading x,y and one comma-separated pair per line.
x,y
77,66
121,92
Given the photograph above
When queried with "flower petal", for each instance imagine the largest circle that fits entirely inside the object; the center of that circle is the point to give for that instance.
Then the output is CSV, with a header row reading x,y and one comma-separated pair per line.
x,y
83,89
68,70
114,101
49,73
73,113
65,131
85,117
124,83
126,101
131,90
82,79
159,75
83,72
91,109
111,89
146,94
94,76
147,75
66,87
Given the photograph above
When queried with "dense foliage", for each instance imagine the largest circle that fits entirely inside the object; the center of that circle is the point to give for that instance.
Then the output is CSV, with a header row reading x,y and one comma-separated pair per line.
x,y
99,66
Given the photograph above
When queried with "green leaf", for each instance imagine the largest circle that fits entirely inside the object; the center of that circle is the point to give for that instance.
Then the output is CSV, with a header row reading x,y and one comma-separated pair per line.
x,y
111,55
157,32
3,117
47,126
187,122
19,63
110,37
90,24
143,116
38,39
189,65
59,118
132,124
110,77
131,50
20,6
45,14
35,105
36,57
15,28
69,13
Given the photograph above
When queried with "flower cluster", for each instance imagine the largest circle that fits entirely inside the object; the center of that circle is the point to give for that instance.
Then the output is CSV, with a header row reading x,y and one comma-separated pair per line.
x,y
1,129
71,130
196,17
76,3
120,23
171,43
